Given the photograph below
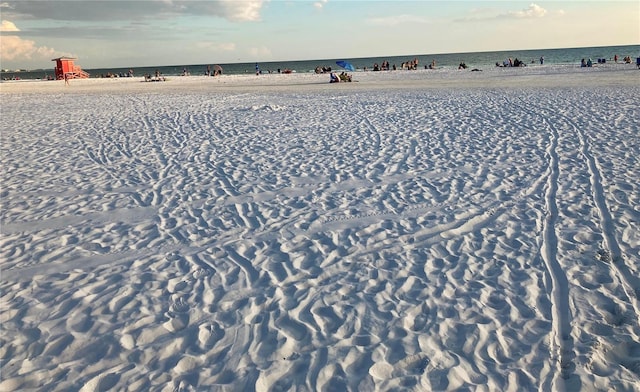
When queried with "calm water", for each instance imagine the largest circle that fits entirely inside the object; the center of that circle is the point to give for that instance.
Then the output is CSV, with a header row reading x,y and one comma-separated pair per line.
x,y
473,60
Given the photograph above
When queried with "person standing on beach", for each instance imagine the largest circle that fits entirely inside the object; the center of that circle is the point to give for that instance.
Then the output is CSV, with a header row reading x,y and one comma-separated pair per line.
x,y
66,79
541,60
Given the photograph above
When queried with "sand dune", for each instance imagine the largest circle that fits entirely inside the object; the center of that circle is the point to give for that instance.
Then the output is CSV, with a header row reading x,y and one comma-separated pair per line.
x,y
429,230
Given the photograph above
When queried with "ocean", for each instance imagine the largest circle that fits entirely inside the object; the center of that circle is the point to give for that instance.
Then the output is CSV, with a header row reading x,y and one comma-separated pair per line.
x,y
447,60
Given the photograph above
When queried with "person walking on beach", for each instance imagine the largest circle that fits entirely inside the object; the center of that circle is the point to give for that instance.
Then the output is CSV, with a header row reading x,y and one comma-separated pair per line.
x,y
66,79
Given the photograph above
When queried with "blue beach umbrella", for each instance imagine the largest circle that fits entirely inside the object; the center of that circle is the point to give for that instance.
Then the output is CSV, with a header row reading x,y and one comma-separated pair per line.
x,y
346,65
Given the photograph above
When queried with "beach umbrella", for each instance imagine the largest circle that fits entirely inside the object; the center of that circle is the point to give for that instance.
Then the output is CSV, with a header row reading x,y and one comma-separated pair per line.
x,y
346,65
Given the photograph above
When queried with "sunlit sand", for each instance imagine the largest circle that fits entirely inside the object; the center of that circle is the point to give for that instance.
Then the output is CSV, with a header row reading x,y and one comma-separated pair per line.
x,y
427,230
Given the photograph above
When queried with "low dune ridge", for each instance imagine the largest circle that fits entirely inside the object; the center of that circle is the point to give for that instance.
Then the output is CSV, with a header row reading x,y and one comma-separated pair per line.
x,y
411,230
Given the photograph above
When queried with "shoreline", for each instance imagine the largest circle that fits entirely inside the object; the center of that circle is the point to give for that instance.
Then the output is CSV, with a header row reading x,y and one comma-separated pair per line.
x,y
497,77
482,59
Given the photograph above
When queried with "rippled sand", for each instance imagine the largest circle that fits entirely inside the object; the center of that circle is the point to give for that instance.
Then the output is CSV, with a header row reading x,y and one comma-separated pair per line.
x,y
428,230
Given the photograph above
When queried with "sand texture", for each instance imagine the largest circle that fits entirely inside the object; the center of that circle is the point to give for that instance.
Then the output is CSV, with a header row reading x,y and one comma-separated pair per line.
x,y
414,231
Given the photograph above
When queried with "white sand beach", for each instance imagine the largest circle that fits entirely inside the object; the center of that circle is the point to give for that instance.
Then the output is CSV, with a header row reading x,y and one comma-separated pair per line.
x,y
426,230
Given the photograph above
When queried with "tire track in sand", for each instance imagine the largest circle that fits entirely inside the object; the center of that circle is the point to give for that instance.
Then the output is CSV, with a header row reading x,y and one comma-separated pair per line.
x,y
613,254
562,342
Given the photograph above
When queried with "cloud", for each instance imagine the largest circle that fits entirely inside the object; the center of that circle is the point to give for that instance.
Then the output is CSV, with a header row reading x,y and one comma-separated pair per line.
x,y
241,11
531,12
16,48
534,11
227,46
221,46
320,4
396,20
8,26
96,10
13,47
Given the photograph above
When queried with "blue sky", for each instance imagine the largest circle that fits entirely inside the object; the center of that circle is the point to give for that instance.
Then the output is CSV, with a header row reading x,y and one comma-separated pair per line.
x,y
118,33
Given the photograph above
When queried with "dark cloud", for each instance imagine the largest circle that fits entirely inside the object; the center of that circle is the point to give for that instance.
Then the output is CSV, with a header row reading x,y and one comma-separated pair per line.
x,y
110,10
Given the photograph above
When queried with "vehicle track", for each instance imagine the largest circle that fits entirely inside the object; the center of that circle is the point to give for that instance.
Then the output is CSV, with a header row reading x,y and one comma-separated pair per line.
x,y
612,252
562,342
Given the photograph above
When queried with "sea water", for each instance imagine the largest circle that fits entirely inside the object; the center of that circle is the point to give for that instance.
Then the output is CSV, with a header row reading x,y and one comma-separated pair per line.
x,y
442,60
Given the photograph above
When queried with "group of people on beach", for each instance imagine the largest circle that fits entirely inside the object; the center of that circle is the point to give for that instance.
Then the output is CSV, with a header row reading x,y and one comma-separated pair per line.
x,y
625,59
515,63
342,77
217,70
410,65
381,67
157,78
407,65
384,66
587,63
323,69
128,74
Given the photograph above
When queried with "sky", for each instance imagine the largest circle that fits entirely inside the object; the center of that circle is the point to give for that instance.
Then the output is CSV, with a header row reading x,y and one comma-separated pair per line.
x,y
118,33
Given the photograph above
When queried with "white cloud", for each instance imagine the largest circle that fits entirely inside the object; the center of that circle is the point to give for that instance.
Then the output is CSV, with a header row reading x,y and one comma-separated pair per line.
x,y
242,11
16,48
481,14
222,46
227,46
320,4
8,26
534,11
397,20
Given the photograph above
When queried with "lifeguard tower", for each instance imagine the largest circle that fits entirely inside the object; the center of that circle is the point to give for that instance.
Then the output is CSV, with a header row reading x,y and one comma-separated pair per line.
x,y
66,67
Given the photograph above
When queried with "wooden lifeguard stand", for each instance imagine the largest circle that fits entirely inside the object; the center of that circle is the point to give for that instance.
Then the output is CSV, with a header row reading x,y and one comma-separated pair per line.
x,y
65,66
